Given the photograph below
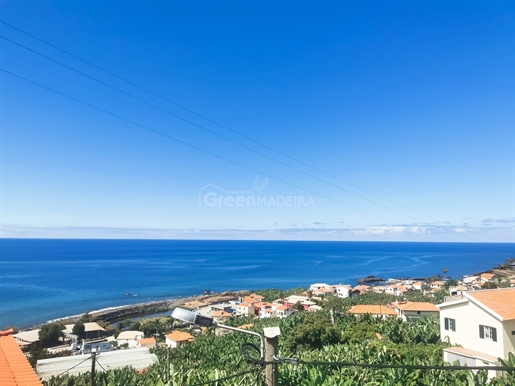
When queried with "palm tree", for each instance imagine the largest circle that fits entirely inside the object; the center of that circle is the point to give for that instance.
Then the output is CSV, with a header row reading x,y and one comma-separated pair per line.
x,y
444,271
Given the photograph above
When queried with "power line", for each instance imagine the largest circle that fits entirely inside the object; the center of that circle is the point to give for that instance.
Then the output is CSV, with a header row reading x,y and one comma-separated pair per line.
x,y
204,128
256,370
399,366
190,145
230,140
209,152
71,368
208,119
225,127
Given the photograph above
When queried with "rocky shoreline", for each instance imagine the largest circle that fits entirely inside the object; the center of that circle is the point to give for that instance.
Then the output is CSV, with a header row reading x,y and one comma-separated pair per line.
x,y
114,314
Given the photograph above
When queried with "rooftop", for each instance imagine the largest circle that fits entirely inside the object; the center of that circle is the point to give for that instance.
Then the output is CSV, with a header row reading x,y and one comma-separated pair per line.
x,y
14,368
417,306
372,309
180,336
88,327
130,335
501,301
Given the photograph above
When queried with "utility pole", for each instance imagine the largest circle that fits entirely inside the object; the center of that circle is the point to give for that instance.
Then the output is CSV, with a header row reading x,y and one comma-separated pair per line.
x,y
271,351
93,361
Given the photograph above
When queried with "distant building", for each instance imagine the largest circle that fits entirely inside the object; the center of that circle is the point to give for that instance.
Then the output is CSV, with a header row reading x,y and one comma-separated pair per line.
x,y
284,311
221,316
483,322
130,338
410,311
27,338
375,310
178,338
317,286
245,309
147,342
92,330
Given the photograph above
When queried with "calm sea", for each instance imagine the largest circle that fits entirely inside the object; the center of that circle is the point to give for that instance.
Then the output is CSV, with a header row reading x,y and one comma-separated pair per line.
x,y
43,279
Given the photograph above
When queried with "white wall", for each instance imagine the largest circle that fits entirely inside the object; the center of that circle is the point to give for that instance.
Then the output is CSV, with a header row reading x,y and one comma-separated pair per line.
x,y
468,317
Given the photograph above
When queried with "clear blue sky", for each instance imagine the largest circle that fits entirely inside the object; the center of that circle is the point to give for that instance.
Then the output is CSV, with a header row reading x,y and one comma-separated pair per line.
x,y
405,111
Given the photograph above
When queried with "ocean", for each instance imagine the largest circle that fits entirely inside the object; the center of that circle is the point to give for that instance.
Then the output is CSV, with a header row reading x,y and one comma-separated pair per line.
x,y
45,279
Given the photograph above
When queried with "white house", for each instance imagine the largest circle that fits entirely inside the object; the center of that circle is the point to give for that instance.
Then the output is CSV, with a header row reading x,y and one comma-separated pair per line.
x,y
178,338
245,309
410,311
130,337
483,322
317,286
284,311
343,291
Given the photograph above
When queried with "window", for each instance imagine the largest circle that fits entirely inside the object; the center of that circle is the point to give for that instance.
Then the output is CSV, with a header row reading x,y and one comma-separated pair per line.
x,y
488,333
450,324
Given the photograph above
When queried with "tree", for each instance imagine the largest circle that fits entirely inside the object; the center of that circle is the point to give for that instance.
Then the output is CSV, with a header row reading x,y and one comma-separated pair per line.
x,y
79,329
489,285
314,332
444,271
49,334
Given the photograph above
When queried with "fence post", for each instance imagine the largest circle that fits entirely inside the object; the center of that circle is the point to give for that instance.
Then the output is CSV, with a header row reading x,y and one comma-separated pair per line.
x,y
271,350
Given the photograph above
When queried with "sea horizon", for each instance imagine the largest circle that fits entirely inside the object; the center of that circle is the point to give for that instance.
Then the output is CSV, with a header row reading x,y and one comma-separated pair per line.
x,y
46,279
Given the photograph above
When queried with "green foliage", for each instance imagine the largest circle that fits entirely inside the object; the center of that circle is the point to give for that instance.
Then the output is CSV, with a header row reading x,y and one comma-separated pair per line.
x,y
489,285
37,352
312,336
49,334
274,293
79,329
314,332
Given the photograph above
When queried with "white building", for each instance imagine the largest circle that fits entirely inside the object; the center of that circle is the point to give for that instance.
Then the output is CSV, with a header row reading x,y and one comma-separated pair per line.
x,y
410,311
245,309
483,322
343,291
178,338
317,286
129,337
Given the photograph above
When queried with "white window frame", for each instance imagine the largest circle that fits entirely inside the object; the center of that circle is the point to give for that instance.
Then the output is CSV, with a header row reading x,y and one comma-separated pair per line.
x,y
489,334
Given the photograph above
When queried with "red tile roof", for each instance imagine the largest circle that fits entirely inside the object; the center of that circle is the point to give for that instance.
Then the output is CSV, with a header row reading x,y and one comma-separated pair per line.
x,y
417,306
15,370
180,336
501,301
372,309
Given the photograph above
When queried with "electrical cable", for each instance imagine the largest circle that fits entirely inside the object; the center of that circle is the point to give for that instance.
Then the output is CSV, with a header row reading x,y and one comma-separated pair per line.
x,y
228,377
207,119
206,129
71,368
96,360
221,136
191,146
391,366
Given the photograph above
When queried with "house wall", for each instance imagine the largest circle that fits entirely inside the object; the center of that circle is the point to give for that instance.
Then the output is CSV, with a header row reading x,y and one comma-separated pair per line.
x,y
411,315
172,343
509,337
469,317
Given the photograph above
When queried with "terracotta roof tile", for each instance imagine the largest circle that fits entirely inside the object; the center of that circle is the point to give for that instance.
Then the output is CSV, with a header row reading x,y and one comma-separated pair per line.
x,y
417,306
147,341
372,309
501,301
15,370
180,336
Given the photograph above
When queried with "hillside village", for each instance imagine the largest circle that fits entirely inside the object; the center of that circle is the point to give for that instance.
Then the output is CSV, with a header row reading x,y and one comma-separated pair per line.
x,y
479,319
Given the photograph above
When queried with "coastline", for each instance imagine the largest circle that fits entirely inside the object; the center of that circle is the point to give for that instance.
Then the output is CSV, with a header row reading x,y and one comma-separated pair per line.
x,y
114,314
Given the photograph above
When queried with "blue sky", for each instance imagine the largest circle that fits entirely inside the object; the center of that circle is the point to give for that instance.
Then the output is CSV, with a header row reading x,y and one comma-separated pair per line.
x,y
400,113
